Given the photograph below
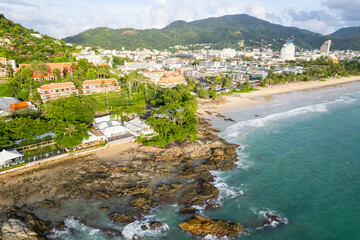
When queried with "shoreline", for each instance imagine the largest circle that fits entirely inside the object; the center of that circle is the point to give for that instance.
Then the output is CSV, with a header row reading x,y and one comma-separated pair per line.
x,y
244,100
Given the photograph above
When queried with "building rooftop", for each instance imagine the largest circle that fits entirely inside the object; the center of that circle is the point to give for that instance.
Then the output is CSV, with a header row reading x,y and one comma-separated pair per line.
x,y
5,102
99,81
19,105
54,86
8,155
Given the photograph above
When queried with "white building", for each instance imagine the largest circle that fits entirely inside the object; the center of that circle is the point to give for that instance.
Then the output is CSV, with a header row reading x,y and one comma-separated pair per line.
x,y
8,158
37,35
97,59
288,51
325,48
228,53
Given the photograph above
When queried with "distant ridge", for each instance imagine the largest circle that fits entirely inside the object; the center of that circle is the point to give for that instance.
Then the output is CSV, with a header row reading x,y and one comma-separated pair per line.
x,y
226,31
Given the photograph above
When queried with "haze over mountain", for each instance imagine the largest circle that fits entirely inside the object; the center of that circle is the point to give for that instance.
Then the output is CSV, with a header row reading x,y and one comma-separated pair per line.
x,y
226,31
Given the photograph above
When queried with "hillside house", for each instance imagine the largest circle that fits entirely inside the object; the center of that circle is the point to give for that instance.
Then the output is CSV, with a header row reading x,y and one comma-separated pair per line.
x,y
54,91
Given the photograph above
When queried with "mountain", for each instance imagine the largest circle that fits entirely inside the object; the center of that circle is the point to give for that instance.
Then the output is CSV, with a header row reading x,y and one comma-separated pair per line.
x,y
18,43
346,38
346,33
226,31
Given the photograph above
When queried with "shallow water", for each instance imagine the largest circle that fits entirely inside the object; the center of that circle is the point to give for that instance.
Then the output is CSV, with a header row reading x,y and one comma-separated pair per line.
x,y
300,160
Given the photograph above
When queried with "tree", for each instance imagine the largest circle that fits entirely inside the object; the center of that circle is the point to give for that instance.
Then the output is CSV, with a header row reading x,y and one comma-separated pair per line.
x,y
39,68
203,93
70,134
56,73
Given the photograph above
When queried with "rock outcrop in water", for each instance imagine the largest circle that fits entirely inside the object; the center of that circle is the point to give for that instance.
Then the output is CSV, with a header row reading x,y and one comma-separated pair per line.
x,y
202,226
132,175
16,224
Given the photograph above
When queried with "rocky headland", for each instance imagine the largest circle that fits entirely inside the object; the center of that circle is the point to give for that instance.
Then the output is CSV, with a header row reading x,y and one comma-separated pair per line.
x,y
132,175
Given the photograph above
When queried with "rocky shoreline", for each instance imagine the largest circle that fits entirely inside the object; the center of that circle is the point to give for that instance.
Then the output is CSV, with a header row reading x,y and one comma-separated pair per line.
x,y
131,176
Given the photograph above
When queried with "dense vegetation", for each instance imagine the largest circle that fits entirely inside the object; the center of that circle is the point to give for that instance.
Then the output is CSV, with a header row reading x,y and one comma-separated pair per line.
x,y
226,31
316,70
46,49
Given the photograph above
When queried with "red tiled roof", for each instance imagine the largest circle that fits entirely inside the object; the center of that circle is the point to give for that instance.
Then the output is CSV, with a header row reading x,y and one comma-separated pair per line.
x,y
99,81
53,86
19,105
52,66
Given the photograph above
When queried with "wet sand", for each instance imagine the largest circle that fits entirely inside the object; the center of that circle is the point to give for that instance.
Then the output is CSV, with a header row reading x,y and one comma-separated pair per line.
x,y
241,100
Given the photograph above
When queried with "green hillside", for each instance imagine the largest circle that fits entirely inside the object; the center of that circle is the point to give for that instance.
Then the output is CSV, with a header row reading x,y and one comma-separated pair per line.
x,y
46,49
226,31
346,33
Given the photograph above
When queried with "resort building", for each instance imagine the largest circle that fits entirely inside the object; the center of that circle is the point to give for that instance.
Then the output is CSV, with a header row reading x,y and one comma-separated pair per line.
x,y
288,51
154,76
92,140
4,70
9,158
171,79
54,91
54,70
97,59
100,86
325,48
137,127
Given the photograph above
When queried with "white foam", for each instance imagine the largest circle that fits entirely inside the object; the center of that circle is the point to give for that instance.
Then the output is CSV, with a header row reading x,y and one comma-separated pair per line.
x,y
263,215
134,228
211,237
225,189
234,130
237,128
72,223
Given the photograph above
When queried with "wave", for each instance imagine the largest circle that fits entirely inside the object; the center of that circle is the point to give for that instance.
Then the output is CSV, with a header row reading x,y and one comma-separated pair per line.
x,y
264,215
234,130
71,223
225,189
142,229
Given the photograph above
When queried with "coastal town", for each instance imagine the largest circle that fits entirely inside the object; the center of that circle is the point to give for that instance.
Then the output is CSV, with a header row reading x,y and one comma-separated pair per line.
x,y
80,122
214,71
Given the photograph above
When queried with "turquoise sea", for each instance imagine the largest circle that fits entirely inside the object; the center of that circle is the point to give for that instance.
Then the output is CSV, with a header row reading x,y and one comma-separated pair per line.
x,y
299,160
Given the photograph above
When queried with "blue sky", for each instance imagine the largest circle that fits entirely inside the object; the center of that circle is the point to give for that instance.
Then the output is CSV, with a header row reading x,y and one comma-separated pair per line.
x,y
69,17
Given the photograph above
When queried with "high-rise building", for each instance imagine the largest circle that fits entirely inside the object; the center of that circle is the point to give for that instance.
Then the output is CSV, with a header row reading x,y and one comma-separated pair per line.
x,y
325,48
288,51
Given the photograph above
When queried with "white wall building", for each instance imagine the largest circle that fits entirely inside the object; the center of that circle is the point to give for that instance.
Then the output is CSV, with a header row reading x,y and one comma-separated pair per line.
x,y
325,48
288,51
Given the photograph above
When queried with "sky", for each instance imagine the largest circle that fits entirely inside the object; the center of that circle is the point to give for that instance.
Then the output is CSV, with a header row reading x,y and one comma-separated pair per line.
x,y
62,18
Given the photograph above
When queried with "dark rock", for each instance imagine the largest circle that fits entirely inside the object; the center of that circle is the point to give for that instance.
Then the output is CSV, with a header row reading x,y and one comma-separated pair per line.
x,y
188,210
210,206
270,219
197,192
104,208
121,218
112,232
141,203
155,224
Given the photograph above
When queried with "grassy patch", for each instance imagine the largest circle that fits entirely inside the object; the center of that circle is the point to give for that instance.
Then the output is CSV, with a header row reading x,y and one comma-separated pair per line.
x,y
244,90
322,80
15,166
5,90
41,150
117,99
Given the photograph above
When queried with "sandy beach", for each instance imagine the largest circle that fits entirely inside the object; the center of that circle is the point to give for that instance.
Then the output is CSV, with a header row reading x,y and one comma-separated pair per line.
x,y
241,100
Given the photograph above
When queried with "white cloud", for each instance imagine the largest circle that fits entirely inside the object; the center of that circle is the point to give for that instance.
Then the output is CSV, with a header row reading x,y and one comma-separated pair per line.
x,y
257,10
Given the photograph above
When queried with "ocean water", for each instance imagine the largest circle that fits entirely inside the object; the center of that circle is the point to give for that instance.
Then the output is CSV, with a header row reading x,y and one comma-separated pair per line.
x,y
300,161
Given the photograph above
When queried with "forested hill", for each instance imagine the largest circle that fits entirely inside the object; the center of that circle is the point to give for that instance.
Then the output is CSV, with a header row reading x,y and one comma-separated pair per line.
x,y
16,42
226,31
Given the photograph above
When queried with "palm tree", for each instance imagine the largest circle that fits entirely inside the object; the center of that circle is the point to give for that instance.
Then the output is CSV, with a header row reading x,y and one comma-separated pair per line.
x,y
70,129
